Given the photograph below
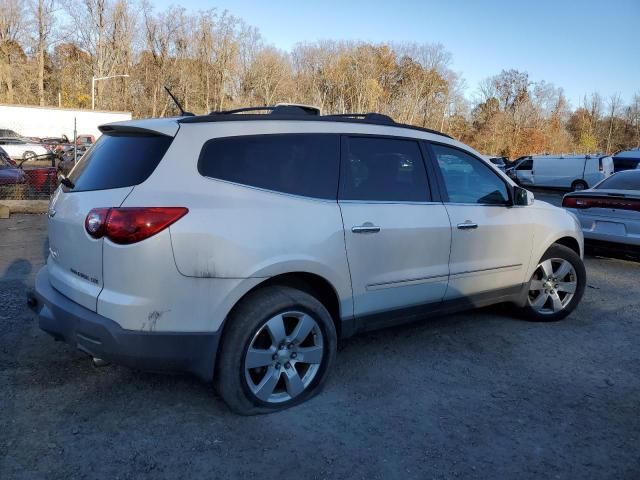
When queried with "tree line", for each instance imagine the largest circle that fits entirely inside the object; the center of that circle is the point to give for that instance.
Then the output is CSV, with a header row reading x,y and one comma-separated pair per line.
x,y
51,49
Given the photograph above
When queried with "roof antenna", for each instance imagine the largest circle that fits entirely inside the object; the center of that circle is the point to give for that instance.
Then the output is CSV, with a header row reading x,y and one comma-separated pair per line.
x,y
175,100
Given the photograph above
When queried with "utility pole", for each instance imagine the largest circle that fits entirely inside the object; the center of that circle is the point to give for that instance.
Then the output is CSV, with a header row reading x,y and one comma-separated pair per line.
x,y
93,87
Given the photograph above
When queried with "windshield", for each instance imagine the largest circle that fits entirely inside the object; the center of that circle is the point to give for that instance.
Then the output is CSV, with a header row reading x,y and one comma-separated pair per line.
x,y
6,133
629,180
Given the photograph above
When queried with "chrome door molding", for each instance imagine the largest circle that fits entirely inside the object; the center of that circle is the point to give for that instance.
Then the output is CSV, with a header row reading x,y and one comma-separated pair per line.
x,y
505,268
404,283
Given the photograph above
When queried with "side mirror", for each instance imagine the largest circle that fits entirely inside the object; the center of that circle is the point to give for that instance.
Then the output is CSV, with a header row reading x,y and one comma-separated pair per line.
x,y
522,197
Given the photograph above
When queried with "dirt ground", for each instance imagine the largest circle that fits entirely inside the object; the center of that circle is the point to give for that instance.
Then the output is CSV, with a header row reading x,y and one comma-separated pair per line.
x,y
474,395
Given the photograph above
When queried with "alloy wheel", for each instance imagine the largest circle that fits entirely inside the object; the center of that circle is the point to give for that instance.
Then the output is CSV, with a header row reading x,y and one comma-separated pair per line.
x,y
284,357
552,286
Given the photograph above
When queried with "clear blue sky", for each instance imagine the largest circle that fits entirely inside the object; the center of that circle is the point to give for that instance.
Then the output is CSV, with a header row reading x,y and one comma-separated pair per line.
x,y
580,45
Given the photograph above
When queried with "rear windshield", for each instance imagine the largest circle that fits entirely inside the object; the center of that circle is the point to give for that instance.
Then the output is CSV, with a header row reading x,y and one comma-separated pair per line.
x,y
621,163
622,181
117,161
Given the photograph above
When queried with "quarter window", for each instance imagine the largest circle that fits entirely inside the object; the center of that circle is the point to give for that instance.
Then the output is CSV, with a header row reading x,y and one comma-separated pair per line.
x,y
383,169
299,164
469,180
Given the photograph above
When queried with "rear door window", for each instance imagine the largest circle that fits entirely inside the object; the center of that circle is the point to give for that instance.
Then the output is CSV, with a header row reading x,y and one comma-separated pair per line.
x,y
297,164
384,170
119,160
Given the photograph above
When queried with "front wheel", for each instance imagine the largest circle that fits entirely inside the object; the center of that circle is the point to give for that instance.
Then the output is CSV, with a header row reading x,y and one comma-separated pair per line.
x,y
556,286
277,351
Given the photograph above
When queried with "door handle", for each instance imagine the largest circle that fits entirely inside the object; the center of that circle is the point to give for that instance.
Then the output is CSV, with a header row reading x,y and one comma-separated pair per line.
x,y
366,227
468,225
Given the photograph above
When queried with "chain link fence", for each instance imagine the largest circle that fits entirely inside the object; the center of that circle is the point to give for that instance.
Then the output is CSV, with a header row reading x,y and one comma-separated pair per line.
x,y
33,177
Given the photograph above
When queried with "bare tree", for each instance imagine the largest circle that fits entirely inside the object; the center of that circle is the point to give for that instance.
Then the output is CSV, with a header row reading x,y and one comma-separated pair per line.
x,y
269,77
614,105
42,13
12,23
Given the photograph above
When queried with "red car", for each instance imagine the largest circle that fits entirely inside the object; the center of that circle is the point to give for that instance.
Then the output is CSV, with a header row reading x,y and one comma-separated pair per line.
x,y
41,174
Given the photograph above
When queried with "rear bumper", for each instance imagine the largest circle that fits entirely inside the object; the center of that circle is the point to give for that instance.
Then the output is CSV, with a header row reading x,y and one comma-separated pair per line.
x,y
103,338
611,238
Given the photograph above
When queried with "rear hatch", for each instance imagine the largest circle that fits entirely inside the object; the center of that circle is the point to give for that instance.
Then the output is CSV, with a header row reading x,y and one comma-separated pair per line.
x,y
122,158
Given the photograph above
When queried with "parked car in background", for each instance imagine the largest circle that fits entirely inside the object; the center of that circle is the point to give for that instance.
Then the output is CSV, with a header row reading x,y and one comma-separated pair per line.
x,y
20,149
511,169
241,247
627,160
6,158
610,211
42,177
500,162
12,179
8,133
86,140
53,144
570,172
84,143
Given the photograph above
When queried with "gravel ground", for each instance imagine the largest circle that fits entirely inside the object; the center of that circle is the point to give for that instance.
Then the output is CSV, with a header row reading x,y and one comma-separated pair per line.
x,y
474,395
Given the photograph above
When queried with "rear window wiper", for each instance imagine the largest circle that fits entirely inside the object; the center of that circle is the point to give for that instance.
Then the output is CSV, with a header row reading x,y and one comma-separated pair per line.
x,y
66,182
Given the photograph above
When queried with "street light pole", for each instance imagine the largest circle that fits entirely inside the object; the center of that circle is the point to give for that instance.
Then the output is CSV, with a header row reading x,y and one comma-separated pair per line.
x,y
93,87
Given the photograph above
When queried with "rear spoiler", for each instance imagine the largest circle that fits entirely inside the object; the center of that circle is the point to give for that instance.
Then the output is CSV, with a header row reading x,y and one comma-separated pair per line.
x,y
130,130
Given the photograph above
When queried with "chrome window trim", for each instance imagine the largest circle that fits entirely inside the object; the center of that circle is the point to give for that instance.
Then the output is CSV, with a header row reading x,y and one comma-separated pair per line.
x,y
387,202
502,205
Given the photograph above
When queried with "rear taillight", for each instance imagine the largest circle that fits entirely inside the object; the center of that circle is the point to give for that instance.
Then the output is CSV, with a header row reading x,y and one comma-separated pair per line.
x,y
95,223
601,202
131,224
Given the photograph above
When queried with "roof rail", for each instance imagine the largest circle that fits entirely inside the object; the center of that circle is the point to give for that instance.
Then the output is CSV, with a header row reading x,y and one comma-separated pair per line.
x,y
295,112
278,109
374,117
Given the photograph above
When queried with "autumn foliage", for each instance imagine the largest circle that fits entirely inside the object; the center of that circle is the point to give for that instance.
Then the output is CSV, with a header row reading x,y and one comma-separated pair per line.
x,y
51,49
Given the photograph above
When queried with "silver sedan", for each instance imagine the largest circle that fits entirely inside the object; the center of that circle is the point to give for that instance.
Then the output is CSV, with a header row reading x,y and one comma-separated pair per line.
x,y
610,211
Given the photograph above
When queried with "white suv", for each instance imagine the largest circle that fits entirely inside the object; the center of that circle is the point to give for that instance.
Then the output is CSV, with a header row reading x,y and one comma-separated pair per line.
x,y
241,246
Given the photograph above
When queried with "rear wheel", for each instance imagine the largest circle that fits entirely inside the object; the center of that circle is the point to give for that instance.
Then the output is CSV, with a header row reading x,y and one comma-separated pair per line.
x,y
277,350
28,155
556,286
579,185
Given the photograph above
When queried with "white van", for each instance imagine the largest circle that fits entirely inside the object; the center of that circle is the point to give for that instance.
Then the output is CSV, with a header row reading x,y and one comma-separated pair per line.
x,y
575,172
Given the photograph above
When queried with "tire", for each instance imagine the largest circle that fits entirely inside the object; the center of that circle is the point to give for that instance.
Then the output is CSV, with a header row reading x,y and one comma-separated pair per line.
x,y
28,155
563,290
254,324
579,185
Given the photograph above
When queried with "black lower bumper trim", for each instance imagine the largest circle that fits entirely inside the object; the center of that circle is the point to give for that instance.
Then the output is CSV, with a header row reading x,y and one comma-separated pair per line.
x,y
103,338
